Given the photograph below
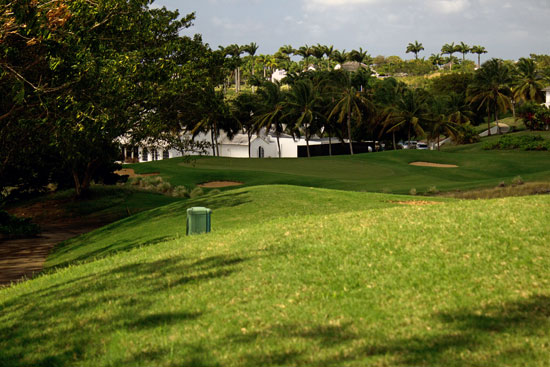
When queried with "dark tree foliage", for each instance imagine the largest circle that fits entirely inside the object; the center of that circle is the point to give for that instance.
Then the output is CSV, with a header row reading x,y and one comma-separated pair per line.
x,y
77,75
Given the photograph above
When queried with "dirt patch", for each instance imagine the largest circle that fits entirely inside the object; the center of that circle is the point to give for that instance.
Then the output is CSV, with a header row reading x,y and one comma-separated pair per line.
x,y
218,184
436,165
131,173
20,259
416,202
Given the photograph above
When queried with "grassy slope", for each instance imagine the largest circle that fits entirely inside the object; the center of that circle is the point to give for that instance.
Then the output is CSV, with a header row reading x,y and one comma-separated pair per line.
x,y
455,284
230,210
386,171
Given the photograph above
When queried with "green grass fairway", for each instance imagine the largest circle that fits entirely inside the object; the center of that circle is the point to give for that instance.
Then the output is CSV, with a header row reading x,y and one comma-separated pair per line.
x,y
376,172
295,276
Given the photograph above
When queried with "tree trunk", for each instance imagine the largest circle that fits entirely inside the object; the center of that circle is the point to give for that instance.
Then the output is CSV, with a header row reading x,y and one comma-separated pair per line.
x,y
496,120
349,133
77,187
83,186
438,145
329,146
393,139
489,123
278,144
307,145
478,61
213,142
249,137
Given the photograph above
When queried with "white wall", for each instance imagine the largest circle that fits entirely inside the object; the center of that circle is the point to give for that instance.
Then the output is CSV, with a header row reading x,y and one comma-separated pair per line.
x,y
234,151
548,98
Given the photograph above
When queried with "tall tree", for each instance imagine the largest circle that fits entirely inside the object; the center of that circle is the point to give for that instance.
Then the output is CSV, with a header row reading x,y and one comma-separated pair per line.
x,y
270,114
463,49
243,109
449,49
479,50
491,89
436,60
349,102
415,48
85,73
528,82
410,112
303,109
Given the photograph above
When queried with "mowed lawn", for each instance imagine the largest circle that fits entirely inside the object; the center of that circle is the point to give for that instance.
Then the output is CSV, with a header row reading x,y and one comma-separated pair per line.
x,y
388,172
295,276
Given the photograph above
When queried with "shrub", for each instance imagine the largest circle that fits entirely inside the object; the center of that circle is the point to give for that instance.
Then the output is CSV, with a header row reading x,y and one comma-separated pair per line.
x,y
524,142
517,181
432,190
14,227
467,135
196,192
412,191
214,192
180,192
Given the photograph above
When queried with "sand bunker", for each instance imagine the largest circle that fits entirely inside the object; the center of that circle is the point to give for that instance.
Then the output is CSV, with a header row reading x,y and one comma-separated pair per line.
x,y
131,173
217,184
437,165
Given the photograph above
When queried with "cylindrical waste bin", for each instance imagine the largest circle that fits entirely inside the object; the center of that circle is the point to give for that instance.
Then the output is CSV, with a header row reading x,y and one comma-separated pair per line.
x,y
198,220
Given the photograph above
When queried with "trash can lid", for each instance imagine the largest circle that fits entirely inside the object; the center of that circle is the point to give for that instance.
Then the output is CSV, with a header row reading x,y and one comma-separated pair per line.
x,y
198,210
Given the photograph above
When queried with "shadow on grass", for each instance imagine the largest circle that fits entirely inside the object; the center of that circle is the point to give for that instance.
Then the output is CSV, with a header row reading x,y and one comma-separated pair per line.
x,y
94,309
471,338
92,246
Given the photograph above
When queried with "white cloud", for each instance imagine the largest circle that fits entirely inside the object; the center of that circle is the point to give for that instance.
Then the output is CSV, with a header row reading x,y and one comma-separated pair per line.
x,y
450,6
341,2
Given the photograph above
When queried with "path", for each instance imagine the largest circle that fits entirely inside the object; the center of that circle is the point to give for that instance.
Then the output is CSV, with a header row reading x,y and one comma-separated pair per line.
x,y
20,259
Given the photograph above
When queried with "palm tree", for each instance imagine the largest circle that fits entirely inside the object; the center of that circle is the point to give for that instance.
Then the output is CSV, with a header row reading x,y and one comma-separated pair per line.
x,y
306,53
318,52
287,50
463,49
528,84
251,49
409,112
415,48
349,102
478,50
243,108
270,113
358,55
235,52
339,56
449,49
436,59
302,106
491,89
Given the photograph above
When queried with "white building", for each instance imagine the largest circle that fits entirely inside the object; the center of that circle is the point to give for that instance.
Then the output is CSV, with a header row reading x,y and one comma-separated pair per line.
x,y
261,146
547,90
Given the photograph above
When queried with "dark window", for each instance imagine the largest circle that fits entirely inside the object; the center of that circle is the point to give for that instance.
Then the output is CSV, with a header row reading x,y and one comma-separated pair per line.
x,y
165,154
145,155
261,152
154,155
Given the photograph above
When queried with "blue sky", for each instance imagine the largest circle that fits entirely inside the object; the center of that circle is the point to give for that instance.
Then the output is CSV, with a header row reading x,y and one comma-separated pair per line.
x,y
508,29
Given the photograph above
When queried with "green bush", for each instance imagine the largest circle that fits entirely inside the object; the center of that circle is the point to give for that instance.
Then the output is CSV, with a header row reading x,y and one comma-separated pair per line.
x,y
196,192
180,192
14,227
525,142
517,181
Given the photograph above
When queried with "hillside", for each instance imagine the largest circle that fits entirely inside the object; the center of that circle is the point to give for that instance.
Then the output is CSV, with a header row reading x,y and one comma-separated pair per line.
x,y
295,276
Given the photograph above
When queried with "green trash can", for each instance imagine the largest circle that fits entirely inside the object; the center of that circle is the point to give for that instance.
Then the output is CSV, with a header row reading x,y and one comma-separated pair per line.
x,y
198,220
